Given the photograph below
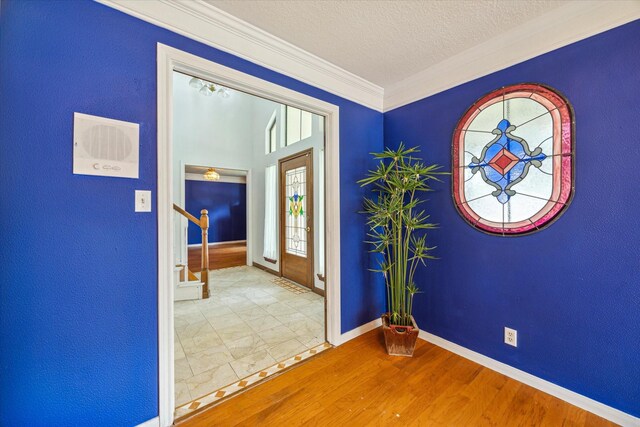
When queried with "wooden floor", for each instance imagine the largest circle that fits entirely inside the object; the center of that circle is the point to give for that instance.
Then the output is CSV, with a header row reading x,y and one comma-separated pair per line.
x,y
220,256
357,384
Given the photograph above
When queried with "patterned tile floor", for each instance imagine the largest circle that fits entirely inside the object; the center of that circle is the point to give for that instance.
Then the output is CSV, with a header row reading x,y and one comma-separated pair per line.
x,y
201,402
248,324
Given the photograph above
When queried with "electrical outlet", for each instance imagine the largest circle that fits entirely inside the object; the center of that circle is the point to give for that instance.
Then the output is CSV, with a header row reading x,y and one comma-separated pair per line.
x,y
510,336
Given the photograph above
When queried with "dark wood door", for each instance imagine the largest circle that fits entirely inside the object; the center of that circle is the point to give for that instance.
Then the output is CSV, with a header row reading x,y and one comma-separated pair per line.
x,y
296,218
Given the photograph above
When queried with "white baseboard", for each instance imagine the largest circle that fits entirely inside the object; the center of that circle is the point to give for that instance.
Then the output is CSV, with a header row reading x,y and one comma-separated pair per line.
x,y
569,396
153,422
197,245
356,332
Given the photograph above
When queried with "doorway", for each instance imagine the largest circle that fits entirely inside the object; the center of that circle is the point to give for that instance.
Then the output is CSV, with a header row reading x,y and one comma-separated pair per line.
x,y
296,218
223,193
170,60
233,321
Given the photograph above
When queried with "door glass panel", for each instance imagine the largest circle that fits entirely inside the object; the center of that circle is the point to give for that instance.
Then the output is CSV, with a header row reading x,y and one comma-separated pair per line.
x,y
296,208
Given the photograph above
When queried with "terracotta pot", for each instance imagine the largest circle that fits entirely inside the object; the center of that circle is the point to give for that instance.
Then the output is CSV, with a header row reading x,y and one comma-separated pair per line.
x,y
400,340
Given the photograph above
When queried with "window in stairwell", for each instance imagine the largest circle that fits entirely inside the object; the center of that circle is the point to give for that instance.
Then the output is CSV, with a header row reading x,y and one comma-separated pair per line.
x,y
298,125
271,134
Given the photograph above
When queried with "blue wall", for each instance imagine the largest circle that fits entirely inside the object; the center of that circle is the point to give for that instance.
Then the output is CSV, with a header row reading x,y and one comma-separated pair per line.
x,y
78,324
227,206
572,291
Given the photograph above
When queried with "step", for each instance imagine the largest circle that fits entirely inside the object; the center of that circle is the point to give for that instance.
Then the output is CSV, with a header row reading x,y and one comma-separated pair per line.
x,y
190,284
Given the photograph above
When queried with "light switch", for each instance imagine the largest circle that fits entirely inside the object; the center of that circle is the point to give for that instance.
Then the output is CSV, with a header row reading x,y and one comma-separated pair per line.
x,y
143,201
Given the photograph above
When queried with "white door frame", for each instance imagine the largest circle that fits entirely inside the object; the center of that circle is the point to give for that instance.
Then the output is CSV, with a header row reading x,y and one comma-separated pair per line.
x,y
168,60
248,211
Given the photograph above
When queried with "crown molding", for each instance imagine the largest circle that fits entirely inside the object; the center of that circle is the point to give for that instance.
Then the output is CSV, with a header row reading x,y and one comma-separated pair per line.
x,y
569,23
217,28
559,27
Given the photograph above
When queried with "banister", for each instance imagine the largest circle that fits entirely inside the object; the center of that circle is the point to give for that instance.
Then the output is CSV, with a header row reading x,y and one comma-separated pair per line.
x,y
204,274
203,223
187,215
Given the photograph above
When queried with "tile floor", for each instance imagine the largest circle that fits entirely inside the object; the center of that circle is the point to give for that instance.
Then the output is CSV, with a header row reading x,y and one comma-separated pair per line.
x,y
248,324
200,403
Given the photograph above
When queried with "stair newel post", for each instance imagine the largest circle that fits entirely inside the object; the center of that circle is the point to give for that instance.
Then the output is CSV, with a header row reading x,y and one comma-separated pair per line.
x,y
204,275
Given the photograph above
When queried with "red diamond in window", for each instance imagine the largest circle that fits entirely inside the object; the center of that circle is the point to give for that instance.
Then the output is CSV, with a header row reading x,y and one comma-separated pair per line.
x,y
503,161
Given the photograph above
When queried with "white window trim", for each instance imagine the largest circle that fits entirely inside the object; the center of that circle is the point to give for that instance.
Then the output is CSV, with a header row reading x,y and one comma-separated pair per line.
x,y
168,60
267,133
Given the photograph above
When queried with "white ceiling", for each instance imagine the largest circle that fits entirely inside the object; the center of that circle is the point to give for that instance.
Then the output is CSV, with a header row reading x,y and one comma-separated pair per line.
x,y
386,41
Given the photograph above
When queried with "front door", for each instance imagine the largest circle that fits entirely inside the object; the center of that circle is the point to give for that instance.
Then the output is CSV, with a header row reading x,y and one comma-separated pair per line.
x,y
296,218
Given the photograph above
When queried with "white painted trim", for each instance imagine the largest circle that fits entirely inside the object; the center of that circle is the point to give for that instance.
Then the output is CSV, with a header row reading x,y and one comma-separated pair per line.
x,y
184,222
569,23
197,245
153,422
166,384
168,60
332,225
212,26
569,396
362,329
250,216
267,133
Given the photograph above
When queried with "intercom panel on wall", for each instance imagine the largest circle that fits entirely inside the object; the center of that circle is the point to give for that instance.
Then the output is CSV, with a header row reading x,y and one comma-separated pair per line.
x,y
105,147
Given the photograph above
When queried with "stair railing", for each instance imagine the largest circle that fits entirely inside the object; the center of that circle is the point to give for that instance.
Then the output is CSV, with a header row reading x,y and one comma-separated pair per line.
x,y
203,223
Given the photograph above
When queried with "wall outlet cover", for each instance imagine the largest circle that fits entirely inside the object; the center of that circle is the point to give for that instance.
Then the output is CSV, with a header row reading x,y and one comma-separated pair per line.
x,y
510,336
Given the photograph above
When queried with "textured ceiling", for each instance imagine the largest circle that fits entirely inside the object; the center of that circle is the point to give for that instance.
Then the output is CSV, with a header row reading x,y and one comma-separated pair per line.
x,y
386,41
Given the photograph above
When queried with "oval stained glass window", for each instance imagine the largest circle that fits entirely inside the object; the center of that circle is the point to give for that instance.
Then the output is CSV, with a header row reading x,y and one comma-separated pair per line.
x,y
513,160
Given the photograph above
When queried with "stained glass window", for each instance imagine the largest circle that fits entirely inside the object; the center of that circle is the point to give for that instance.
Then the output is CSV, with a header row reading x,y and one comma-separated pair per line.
x,y
513,160
296,208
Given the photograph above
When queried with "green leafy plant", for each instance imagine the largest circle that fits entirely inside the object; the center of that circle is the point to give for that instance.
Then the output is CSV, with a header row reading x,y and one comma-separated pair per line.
x,y
398,225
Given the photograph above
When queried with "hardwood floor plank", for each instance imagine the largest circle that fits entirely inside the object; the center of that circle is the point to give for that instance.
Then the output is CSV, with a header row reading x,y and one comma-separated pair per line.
x,y
220,256
556,413
427,391
342,385
592,420
359,384
498,412
480,392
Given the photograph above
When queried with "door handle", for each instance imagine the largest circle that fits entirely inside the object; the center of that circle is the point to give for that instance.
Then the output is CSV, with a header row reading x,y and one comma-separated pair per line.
x,y
308,229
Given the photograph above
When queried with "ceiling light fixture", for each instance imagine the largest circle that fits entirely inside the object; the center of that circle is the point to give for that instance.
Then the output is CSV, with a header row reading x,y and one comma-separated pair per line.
x,y
207,88
195,83
211,175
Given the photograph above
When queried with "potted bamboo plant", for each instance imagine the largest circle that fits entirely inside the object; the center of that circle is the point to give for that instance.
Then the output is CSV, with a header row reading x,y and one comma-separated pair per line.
x,y
397,231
